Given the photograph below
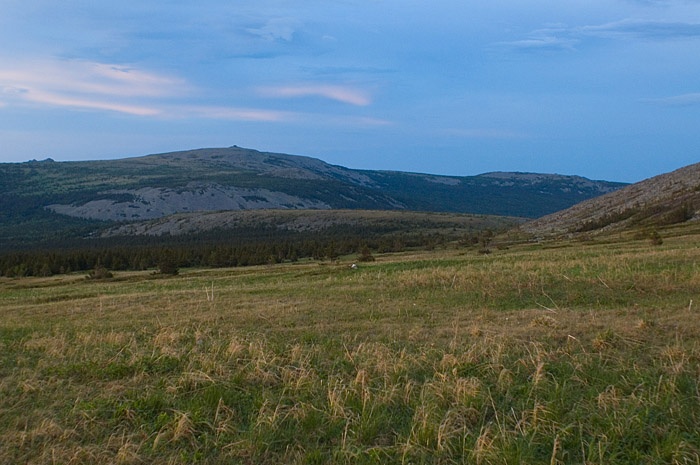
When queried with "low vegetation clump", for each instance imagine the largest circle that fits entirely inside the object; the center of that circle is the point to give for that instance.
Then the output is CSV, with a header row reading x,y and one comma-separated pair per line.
x,y
99,272
575,353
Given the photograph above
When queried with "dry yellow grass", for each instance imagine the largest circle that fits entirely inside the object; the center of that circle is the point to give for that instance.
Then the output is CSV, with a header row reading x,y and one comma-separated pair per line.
x,y
579,353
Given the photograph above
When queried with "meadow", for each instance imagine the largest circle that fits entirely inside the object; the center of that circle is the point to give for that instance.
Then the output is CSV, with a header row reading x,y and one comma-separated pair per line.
x,y
540,353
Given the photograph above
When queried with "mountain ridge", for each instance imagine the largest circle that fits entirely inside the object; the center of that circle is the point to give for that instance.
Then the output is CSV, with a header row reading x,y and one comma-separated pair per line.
x,y
247,173
41,197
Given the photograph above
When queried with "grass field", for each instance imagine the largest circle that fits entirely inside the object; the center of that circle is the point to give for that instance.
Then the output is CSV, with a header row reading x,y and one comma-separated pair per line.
x,y
584,352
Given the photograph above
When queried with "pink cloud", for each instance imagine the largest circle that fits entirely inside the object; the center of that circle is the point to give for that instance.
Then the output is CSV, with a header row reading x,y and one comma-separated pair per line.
x,y
88,104
84,84
232,113
342,94
80,84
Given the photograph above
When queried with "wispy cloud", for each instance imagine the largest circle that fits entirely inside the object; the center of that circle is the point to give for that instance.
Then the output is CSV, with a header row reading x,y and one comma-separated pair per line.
x,y
122,89
86,85
86,77
568,38
234,113
553,37
275,116
649,29
484,133
677,100
542,43
348,121
276,29
342,94
49,98
369,121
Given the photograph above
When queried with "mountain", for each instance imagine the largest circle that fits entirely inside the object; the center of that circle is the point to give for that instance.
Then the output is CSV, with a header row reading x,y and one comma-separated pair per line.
x,y
663,200
41,199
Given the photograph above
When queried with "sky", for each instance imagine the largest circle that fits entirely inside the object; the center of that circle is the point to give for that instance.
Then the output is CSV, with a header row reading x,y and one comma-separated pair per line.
x,y
606,89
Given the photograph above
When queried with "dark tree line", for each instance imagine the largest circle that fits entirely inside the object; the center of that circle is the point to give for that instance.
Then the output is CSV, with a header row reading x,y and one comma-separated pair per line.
x,y
122,254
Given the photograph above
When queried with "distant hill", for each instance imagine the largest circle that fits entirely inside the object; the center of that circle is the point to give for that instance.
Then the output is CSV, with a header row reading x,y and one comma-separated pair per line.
x,y
42,199
663,200
315,221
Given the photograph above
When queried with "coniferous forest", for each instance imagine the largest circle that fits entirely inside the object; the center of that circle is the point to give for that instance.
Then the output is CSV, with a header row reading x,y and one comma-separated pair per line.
x,y
225,248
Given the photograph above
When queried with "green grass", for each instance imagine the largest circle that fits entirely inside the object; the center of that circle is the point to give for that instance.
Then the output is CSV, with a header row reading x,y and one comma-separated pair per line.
x,y
550,353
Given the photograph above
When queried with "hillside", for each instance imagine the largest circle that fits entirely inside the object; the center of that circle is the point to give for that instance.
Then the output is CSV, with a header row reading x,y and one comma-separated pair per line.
x,y
663,200
43,198
367,222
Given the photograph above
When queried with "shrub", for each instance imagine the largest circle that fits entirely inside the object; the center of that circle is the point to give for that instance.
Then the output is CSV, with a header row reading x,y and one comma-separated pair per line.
x,y
655,238
365,255
167,264
100,272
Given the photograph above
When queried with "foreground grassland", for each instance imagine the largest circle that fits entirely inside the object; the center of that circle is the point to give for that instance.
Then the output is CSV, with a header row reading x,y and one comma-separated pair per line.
x,y
574,353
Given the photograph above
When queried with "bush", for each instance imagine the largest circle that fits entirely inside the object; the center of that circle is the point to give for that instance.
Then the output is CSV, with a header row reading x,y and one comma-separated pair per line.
x,y
100,272
365,255
655,238
168,265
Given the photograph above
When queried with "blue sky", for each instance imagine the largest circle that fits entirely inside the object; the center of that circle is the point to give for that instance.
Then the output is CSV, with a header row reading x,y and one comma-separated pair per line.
x,y
607,89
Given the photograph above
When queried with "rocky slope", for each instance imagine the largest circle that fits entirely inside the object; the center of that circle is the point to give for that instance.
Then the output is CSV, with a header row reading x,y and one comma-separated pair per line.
x,y
156,202
662,200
